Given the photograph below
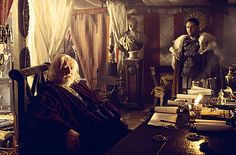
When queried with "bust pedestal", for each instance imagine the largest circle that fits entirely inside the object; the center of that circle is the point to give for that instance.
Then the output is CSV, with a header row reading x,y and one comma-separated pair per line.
x,y
133,80
135,55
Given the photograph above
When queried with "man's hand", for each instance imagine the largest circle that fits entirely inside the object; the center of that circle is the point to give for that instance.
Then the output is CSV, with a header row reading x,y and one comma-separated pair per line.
x,y
72,141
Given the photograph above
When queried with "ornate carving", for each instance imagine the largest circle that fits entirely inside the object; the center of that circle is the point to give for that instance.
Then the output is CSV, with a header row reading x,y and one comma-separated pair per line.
x,y
204,16
2,34
2,59
24,58
24,17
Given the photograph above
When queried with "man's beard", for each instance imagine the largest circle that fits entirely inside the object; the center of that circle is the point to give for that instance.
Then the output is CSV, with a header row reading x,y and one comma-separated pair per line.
x,y
194,34
67,79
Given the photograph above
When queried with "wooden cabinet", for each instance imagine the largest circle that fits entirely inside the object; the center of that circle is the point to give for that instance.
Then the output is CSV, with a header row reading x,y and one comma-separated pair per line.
x,y
133,81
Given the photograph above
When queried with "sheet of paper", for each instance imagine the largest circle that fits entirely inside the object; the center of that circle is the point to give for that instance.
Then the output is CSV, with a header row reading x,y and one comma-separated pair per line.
x,y
200,91
160,119
186,96
217,122
211,127
172,103
166,109
199,88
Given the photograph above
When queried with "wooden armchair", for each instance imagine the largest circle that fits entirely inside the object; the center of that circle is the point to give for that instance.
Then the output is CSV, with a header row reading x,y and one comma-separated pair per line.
x,y
162,87
108,87
22,97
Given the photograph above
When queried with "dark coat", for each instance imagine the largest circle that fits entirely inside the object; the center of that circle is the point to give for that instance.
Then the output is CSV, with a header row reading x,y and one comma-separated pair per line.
x,y
56,110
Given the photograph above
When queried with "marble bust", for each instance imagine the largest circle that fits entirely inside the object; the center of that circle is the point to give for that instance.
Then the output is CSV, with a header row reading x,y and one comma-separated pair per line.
x,y
132,41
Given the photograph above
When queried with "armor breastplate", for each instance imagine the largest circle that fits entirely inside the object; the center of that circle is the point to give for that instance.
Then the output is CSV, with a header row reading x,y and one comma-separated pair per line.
x,y
191,58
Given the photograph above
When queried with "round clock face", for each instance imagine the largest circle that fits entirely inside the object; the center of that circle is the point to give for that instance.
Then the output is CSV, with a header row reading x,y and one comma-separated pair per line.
x,y
204,17
132,69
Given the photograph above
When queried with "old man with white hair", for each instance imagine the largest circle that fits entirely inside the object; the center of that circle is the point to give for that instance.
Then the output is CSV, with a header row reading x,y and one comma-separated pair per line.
x,y
69,118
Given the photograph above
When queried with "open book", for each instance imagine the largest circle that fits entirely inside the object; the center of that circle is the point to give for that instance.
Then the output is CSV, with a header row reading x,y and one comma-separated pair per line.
x,y
164,116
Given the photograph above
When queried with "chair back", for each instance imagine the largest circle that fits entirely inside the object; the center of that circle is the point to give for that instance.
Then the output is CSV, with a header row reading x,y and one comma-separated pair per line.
x,y
23,95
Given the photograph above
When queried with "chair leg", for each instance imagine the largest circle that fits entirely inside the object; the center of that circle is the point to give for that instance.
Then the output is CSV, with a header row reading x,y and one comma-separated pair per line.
x,y
154,102
161,100
152,109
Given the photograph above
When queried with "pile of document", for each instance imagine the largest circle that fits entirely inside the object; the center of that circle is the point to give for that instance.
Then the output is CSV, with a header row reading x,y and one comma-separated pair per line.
x,y
195,90
163,116
191,96
183,99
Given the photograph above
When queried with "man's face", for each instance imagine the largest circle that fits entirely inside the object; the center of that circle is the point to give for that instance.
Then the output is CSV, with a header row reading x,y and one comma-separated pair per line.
x,y
67,72
192,29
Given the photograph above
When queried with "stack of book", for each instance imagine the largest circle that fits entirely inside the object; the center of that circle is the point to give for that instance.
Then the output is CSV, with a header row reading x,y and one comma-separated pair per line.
x,y
4,135
6,124
191,96
6,129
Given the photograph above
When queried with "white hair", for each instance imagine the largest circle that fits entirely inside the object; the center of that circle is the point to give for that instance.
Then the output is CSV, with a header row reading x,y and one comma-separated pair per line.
x,y
56,66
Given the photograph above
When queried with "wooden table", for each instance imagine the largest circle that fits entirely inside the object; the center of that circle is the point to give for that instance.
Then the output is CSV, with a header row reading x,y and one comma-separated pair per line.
x,y
140,142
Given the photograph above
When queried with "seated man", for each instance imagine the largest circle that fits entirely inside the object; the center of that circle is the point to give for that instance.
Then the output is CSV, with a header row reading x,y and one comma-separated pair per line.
x,y
68,118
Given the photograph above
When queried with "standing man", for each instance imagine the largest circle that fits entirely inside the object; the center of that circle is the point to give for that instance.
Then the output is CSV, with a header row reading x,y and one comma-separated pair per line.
x,y
193,56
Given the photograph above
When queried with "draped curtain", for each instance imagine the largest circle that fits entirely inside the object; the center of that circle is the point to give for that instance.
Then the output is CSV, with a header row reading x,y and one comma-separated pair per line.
x,y
88,33
5,6
118,19
49,22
